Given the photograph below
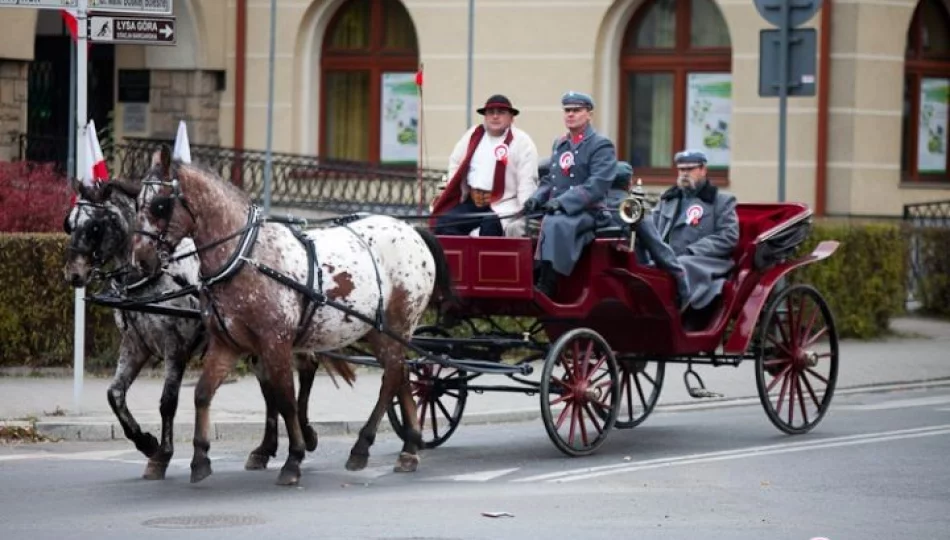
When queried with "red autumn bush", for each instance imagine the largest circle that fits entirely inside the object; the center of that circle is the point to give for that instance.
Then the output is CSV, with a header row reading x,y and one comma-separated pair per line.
x,y
34,197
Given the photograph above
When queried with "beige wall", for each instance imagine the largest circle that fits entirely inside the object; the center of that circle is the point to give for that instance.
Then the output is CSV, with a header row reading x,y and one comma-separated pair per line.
x,y
533,51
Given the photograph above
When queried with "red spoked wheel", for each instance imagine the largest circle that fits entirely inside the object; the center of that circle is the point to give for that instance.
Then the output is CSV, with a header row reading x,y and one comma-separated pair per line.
x,y
579,385
797,359
639,391
440,393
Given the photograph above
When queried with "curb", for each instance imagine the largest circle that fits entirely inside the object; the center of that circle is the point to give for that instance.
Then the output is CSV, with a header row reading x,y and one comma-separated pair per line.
x,y
94,429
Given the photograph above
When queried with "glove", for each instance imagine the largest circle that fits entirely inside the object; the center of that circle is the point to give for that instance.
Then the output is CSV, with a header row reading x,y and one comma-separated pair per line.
x,y
531,206
552,206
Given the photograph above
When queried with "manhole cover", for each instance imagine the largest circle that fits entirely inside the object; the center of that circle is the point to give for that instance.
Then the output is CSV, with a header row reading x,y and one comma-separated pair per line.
x,y
213,521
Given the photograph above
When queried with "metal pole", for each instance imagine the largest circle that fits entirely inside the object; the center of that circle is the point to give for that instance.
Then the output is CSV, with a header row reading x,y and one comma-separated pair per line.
x,y
268,163
71,152
471,53
782,95
79,305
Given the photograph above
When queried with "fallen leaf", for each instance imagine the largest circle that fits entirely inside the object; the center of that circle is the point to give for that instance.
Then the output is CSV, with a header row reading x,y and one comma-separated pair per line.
x,y
497,514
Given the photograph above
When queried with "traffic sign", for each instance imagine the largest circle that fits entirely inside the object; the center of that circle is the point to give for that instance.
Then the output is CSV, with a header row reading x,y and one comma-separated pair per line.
x,y
41,4
799,11
801,66
138,30
138,7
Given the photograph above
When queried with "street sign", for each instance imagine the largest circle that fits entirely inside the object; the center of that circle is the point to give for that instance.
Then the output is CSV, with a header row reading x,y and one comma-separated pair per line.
x,y
137,7
802,63
799,11
41,4
137,30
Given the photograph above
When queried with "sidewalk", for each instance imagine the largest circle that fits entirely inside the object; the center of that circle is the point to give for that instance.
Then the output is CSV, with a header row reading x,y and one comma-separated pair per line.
x,y
919,353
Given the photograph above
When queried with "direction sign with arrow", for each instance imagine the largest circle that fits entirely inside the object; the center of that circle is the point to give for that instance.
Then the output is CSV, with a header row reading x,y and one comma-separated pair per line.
x,y
138,30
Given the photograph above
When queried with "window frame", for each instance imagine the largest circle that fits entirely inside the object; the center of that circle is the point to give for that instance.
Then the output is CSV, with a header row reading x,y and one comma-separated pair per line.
x,y
918,66
376,59
679,60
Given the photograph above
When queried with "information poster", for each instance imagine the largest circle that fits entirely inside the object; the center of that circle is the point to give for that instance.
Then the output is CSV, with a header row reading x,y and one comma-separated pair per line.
x,y
932,130
399,130
709,115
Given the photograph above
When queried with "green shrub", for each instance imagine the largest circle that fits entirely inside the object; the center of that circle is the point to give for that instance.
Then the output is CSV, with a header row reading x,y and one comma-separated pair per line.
x,y
36,306
864,281
933,285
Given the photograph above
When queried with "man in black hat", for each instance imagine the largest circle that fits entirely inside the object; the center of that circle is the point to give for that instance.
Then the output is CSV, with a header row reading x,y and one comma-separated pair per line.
x,y
493,170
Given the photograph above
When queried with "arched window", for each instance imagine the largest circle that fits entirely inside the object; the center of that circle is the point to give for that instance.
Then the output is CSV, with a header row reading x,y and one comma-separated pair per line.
x,y
676,86
370,54
926,92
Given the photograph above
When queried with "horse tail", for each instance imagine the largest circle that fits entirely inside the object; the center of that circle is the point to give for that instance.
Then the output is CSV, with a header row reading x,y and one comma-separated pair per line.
x,y
338,367
444,291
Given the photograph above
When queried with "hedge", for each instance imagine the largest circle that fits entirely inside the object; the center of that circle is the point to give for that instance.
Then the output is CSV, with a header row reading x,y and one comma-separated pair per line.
x,y
864,282
36,306
933,284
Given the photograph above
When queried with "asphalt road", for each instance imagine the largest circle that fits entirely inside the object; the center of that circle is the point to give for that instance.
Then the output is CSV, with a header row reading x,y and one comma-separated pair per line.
x,y
875,468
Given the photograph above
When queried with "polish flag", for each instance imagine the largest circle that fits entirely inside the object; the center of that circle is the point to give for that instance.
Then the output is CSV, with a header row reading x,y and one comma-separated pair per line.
x,y
182,151
95,170
73,25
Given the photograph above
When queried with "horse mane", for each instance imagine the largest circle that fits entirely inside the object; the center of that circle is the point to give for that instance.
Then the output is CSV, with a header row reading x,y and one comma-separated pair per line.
x,y
211,178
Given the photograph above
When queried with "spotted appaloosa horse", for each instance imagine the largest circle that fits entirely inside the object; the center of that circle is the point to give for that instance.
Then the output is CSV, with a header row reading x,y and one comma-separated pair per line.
x,y
100,228
375,267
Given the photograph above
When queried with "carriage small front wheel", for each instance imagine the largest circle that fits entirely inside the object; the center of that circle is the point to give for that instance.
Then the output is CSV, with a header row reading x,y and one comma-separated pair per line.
x,y
580,383
796,367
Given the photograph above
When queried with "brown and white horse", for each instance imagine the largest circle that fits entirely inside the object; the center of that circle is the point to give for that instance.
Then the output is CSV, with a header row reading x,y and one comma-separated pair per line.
x,y
269,289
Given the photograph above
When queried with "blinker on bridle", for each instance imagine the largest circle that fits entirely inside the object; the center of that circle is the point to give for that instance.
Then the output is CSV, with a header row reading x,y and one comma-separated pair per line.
x,y
161,207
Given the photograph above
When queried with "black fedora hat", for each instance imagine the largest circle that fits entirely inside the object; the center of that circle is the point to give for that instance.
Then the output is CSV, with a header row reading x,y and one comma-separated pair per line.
x,y
498,101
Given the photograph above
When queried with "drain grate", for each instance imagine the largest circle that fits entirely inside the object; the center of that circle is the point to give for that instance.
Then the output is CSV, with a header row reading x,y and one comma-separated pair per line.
x,y
211,521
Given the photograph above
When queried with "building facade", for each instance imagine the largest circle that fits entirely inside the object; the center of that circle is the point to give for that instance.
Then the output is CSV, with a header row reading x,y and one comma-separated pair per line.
x,y
665,74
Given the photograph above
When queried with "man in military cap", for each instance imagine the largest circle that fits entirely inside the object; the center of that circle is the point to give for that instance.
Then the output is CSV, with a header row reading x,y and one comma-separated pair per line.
x,y
583,167
492,172
700,224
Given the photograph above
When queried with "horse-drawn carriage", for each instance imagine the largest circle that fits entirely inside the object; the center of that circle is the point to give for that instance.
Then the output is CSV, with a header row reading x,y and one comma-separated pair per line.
x,y
606,338
271,285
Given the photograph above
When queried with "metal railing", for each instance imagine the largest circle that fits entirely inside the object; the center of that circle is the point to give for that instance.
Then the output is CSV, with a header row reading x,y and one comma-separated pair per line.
x,y
918,216
297,180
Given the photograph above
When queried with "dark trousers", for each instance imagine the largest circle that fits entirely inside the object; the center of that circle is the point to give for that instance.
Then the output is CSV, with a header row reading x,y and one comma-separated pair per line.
x,y
462,220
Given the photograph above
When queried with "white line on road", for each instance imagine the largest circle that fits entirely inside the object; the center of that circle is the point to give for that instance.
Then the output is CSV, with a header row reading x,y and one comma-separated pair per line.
x,y
96,455
481,476
604,470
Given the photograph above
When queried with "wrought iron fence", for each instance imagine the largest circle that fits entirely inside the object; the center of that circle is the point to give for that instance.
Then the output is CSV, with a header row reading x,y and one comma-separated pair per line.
x,y
920,216
297,180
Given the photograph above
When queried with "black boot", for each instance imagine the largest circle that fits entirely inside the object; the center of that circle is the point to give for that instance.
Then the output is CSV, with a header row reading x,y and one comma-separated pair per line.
x,y
547,280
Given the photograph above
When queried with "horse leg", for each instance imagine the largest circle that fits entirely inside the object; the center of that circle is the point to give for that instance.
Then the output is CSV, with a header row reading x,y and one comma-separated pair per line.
x,y
132,357
390,355
408,459
174,371
218,362
307,371
258,458
280,375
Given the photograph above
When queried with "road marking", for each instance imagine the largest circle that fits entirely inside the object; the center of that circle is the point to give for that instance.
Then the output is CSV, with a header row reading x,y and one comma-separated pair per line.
x,y
96,455
898,404
689,459
482,476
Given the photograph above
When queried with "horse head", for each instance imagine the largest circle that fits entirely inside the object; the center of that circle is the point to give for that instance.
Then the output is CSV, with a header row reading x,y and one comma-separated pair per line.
x,y
99,228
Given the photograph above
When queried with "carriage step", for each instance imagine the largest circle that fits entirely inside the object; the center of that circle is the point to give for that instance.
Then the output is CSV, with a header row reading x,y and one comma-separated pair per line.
x,y
698,391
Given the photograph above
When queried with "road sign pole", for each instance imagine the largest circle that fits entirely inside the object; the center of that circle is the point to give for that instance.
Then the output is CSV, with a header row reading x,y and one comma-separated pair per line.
x,y
79,303
269,160
782,95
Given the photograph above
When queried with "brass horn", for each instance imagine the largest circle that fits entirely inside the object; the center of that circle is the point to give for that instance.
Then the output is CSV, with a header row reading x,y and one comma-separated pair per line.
x,y
632,209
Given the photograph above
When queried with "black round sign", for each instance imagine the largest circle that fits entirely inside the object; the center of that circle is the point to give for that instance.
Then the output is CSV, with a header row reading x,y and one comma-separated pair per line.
x,y
799,11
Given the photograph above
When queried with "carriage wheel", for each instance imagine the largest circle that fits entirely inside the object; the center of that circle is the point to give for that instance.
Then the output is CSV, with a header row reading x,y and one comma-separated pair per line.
x,y
639,391
797,359
579,384
440,397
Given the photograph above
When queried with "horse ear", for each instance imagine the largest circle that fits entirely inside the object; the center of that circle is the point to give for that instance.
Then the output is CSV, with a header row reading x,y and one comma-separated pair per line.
x,y
129,188
106,193
76,185
166,159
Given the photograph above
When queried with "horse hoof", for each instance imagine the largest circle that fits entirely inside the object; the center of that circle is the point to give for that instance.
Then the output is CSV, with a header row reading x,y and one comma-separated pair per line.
x,y
155,470
256,462
289,476
356,463
147,444
200,470
407,462
310,438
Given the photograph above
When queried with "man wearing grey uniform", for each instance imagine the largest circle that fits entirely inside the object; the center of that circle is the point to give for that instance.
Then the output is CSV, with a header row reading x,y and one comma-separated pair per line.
x,y
583,165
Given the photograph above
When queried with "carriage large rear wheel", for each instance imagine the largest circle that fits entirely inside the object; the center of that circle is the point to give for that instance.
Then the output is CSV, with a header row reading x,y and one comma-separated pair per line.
x,y
639,391
796,368
440,393
579,385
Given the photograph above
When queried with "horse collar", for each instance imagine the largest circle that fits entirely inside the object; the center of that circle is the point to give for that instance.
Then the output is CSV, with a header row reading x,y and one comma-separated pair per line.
x,y
243,252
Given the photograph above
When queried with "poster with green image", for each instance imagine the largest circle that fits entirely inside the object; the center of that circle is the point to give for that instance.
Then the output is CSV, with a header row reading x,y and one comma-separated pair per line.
x,y
399,129
709,116
932,128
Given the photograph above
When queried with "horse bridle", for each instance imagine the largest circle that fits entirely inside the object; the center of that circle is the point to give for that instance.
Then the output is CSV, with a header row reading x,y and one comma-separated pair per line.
x,y
165,248
95,255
